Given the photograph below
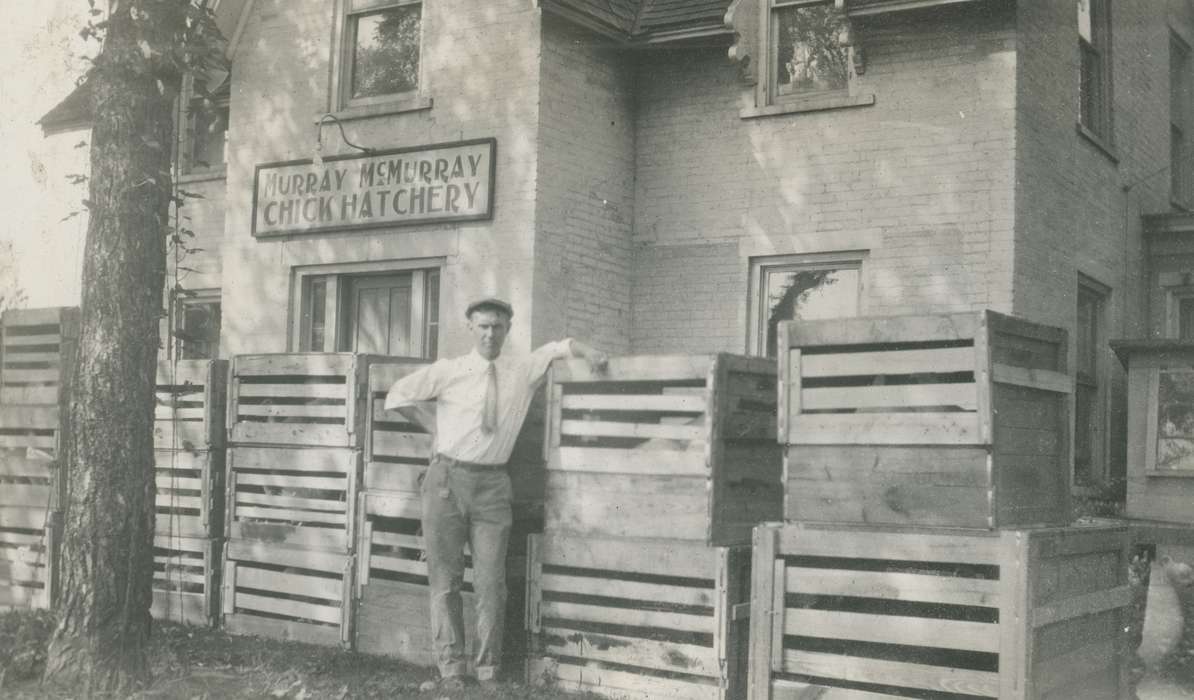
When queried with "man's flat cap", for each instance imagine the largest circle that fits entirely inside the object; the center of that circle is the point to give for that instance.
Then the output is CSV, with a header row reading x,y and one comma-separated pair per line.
x,y
489,303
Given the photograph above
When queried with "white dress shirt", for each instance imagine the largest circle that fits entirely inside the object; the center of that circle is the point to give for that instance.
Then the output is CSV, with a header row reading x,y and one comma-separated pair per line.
x,y
458,386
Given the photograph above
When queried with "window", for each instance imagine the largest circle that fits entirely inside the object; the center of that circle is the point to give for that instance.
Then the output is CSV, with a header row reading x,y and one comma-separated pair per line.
x,y
1180,170
197,325
206,131
809,52
380,51
1089,416
1179,312
363,308
1094,87
785,288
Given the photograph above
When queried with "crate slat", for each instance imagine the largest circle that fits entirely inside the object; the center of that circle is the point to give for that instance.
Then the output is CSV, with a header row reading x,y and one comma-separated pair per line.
x,y
892,673
870,397
620,684
290,584
888,585
286,630
687,459
630,651
936,428
908,631
887,362
631,590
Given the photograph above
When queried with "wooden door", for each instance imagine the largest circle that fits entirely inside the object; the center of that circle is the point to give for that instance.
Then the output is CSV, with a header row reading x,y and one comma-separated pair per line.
x,y
377,315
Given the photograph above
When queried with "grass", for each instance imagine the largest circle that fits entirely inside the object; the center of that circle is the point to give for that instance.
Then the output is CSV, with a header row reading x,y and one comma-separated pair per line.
x,y
192,663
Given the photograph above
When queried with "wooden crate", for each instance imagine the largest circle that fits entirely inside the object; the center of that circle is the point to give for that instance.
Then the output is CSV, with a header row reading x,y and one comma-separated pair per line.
x,y
190,493
29,502
670,447
851,611
36,345
391,580
397,451
186,574
307,399
957,420
191,397
285,592
638,618
302,497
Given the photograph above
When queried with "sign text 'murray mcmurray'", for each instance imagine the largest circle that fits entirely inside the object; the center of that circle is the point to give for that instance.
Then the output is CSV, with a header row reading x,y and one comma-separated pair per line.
x,y
439,183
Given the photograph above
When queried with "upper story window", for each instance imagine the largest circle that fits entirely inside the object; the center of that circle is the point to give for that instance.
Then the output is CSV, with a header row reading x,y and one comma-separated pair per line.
x,y
205,134
1180,167
1094,88
380,52
809,48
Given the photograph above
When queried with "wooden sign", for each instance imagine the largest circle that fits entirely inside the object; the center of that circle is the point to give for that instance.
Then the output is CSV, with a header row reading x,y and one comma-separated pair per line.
x,y
426,184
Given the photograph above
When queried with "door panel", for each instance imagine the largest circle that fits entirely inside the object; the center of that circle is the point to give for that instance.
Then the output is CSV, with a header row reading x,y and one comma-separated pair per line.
x,y
377,315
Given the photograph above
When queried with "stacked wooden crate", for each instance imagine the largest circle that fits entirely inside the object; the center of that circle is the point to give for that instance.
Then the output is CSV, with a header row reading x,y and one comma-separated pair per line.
x,y
392,567
36,346
657,471
29,505
928,551
392,597
296,432
189,433
36,351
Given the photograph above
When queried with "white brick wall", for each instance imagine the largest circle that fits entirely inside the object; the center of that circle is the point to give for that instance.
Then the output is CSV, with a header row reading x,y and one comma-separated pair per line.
x,y
585,195
481,66
926,173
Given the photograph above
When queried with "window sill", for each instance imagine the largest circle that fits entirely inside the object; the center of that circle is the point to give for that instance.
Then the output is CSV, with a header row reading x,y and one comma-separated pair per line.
x,y
1175,473
809,104
413,103
1098,142
220,173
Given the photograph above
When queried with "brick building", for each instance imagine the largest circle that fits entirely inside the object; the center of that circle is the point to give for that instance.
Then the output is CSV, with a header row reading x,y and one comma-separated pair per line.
x,y
675,176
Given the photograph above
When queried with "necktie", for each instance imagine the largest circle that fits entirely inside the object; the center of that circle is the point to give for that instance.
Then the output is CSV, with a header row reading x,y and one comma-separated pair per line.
x,y
489,417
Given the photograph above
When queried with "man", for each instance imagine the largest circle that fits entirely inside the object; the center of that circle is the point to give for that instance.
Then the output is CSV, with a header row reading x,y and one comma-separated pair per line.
x,y
481,401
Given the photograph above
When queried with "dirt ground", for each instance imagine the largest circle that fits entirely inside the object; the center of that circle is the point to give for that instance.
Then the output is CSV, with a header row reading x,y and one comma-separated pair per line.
x,y
192,663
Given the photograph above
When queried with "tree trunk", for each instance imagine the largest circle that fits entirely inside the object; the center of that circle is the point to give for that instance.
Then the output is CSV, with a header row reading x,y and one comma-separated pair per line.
x,y
100,641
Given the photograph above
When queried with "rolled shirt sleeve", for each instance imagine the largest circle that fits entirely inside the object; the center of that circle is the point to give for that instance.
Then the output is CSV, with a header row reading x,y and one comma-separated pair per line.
x,y
542,357
420,385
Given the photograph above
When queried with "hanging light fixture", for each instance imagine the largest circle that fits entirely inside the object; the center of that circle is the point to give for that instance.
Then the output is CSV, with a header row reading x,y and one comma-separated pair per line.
x,y
317,156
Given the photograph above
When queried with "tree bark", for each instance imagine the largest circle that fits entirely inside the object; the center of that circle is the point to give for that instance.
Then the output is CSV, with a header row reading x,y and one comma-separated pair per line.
x,y
99,645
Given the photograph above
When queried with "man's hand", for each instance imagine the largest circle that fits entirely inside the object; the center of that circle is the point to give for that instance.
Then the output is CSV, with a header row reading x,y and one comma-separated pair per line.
x,y
598,361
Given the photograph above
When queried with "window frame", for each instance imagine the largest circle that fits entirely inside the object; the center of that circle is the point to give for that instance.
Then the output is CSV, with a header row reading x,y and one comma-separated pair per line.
x,y
179,303
343,45
1097,380
1174,296
768,101
188,166
425,334
764,265
1181,116
1099,126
